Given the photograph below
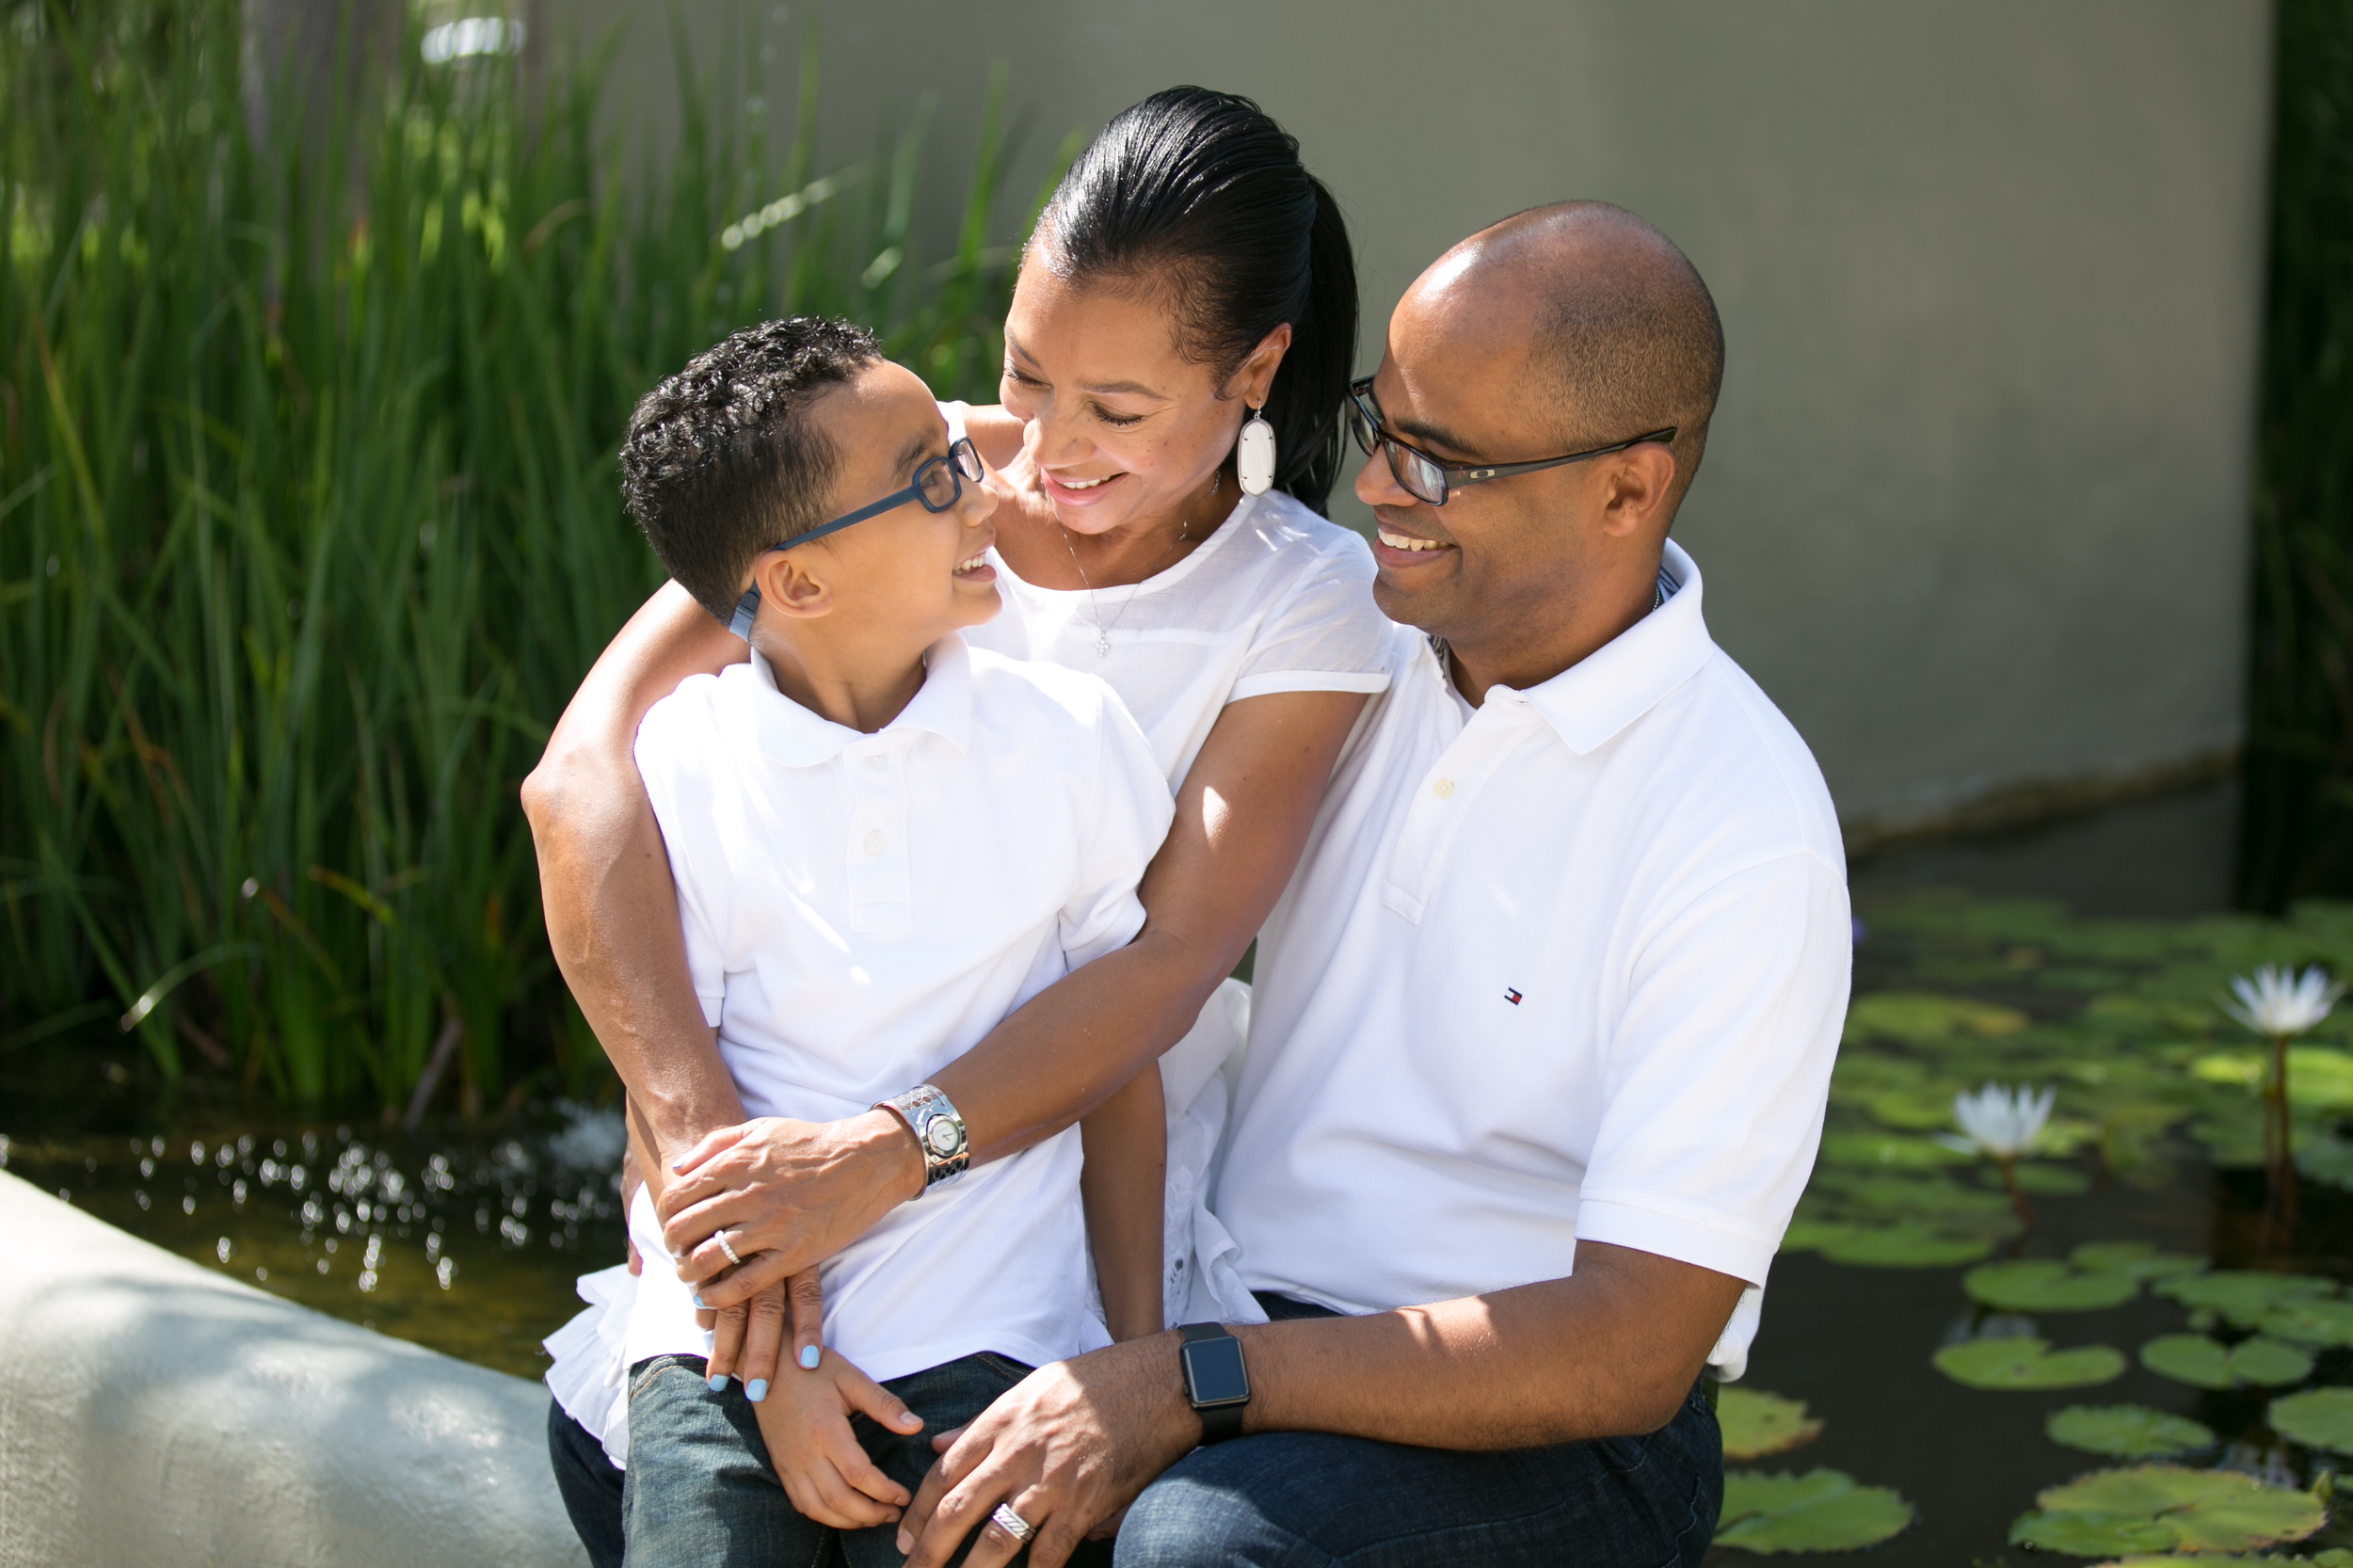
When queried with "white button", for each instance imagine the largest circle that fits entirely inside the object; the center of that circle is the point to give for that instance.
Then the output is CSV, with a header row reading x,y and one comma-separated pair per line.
x,y
1443,788
877,761
874,841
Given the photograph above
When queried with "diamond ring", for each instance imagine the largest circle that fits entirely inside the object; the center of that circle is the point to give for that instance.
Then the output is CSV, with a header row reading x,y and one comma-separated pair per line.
x,y
1014,1525
722,1238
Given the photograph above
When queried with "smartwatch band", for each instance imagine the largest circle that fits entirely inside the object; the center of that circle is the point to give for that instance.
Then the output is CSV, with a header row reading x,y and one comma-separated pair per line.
x,y
1217,1381
938,1132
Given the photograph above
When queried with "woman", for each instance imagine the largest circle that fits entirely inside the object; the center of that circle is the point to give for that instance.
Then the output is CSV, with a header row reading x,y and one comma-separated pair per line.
x,y
1189,275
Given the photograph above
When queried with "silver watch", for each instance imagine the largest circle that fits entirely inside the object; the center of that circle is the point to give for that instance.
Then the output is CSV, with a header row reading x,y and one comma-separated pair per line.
x,y
939,1131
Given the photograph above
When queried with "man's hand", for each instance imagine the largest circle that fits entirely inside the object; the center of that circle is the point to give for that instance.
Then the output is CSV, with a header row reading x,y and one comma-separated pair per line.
x,y
805,1423
789,1194
1068,1447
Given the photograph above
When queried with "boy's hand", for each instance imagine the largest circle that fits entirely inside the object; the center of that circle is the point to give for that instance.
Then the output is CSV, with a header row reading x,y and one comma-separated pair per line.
x,y
805,1423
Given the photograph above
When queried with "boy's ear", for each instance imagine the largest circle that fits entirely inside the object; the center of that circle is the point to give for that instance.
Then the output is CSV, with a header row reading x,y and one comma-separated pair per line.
x,y
788,585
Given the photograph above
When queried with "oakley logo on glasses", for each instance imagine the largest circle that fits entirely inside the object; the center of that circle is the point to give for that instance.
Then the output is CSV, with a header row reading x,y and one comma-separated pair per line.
x,y
939,483
1430,481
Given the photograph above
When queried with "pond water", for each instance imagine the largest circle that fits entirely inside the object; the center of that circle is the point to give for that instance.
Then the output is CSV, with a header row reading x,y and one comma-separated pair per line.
x,y
469,1242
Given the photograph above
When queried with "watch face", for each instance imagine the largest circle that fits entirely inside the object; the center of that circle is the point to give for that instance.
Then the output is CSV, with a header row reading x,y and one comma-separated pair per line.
x,y
1214,1373
945,1136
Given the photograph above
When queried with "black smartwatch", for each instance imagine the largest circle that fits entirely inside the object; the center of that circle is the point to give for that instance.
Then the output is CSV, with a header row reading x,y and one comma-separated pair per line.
x,y
1216,1382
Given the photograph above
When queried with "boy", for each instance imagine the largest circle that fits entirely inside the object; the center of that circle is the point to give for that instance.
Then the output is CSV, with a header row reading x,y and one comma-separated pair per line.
x,y
883,841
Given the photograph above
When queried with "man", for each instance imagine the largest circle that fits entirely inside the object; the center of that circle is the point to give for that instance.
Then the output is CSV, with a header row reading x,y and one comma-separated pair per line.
x,y
1545,1023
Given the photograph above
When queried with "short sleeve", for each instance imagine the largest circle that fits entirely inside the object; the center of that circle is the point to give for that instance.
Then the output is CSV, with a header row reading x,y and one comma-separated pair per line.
x,y
1719,1070
1121,831
660,749
1325,634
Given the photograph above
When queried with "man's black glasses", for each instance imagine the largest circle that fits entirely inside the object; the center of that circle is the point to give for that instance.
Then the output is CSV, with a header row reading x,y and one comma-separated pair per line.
x,y
1427,479
939,484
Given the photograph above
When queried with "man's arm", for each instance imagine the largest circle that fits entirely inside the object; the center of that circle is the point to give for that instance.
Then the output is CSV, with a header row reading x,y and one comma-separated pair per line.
x,y
1609,1352
1123,1185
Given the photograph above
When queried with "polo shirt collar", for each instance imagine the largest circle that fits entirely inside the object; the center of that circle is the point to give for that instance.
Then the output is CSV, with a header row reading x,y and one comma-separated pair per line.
x,y
1594,700
793,735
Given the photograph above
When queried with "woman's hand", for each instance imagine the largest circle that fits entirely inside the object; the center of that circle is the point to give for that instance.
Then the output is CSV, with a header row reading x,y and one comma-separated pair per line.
x,y
788,1196
1069,1446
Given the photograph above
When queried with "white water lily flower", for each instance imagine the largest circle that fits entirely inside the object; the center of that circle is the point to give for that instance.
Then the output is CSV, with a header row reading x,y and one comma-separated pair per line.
x,y
1998,1122
2280,1002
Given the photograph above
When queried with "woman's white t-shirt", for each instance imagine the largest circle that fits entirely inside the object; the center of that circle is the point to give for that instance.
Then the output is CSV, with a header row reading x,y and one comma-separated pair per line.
x,y
1277,600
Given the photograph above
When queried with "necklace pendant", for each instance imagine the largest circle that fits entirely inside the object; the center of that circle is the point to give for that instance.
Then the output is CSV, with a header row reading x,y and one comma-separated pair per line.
x,y
1102,645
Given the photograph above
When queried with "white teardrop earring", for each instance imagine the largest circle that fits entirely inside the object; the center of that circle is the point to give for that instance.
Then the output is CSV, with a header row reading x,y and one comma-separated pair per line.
x,y
1254,458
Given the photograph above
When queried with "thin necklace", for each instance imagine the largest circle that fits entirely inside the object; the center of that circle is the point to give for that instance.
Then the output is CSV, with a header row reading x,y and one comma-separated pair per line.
x,y
1102,632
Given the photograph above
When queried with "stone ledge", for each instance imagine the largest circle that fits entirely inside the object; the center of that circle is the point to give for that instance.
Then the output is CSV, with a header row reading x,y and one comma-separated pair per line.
x,y
155,1413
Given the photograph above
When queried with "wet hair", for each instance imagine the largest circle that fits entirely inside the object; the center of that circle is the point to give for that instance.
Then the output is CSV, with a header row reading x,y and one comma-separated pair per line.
x,y
721,460
1202,198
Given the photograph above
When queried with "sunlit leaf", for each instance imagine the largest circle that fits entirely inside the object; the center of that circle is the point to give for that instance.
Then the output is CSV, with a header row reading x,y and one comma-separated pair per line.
x,y
1919,1018
1756,1423
2243,1295
2318,1418
2037,1286
2027,1363
1822,1510
2137,1257
2113,1511
1905,1245
2125,1431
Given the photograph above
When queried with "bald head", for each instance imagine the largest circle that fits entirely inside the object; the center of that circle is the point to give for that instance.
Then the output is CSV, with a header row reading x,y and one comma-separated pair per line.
x,y
1617,333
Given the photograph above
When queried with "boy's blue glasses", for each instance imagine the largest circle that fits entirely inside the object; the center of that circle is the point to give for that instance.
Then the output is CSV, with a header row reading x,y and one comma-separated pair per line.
x,y
939,484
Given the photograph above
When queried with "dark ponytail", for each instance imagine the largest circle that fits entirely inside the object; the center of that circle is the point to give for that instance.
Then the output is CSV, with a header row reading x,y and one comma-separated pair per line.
x,y
1199,195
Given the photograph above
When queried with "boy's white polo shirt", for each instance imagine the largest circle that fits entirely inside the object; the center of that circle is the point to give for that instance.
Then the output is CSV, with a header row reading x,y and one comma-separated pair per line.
x,y
860,910
1573,968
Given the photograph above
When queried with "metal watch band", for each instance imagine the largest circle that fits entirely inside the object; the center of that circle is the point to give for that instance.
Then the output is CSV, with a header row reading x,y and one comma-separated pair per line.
x,y
939,1131
1221,1418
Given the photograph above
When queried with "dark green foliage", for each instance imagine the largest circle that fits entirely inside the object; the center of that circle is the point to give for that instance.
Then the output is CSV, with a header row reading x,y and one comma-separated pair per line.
x,y
309,522
2296,835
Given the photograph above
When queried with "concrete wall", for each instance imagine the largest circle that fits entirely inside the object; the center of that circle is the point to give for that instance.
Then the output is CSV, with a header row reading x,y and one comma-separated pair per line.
x,y
156,1414
1975,508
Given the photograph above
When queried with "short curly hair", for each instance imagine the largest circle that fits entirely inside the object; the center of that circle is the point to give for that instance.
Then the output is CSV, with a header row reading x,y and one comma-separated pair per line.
x,y
721,461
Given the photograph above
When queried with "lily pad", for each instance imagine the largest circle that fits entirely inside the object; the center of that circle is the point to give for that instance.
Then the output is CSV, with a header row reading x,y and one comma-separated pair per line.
x,y
2244,1295
2311,1321
1913,1109
1918,1018
2125,1432
2137,1257
2205,1363
1905,1245
2044,1180
2028,1363
1756,1423
1891,1150
1822,1510
2125,1510
2048,1287
2318,1418
2318,1079
1914,1198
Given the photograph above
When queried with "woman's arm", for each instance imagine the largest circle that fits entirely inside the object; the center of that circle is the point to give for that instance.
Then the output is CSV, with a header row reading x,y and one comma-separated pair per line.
x,y
604,880
803,1193
1124,1186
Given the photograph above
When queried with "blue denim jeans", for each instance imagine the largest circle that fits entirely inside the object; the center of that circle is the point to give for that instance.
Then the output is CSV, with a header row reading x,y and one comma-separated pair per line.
x,y
1292,1499
590,1484
700,1489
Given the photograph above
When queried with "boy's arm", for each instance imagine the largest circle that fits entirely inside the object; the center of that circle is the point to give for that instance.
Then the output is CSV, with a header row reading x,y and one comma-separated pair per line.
x,y
1124,1187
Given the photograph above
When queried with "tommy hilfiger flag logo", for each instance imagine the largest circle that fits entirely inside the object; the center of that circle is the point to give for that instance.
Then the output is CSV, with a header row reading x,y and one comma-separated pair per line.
x,y
1510,996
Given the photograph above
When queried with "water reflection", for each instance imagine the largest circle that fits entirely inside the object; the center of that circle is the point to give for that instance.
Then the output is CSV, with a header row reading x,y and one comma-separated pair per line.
x,y
467,1245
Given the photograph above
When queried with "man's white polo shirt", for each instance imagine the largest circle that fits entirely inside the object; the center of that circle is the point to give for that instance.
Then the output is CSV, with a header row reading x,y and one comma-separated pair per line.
x,y
860,910
1573,968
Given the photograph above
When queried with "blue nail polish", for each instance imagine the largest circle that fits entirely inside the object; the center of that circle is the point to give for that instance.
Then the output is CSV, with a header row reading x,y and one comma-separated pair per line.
x,y
756,1390
810,1354
704,1304
718,1383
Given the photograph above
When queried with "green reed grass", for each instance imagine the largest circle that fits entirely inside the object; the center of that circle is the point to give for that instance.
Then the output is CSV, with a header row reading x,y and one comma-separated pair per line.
x,y
309,522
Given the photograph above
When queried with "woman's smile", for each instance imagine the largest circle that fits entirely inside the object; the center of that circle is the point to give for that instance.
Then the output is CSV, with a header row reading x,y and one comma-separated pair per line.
x,y
1076,491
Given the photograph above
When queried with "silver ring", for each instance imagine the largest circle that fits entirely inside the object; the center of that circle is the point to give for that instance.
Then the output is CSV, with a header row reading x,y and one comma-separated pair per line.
x,y
1014,1525
722,1238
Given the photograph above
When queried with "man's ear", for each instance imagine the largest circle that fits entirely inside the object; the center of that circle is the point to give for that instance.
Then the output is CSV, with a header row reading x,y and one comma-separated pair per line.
x,y
788,583
1637,484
